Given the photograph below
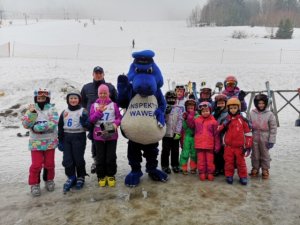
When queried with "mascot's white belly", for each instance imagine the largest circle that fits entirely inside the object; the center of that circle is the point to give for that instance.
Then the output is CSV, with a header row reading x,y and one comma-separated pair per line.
x,y
139,123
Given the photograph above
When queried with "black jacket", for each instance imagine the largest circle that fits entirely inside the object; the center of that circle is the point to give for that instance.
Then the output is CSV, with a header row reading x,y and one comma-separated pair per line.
x,y
89,93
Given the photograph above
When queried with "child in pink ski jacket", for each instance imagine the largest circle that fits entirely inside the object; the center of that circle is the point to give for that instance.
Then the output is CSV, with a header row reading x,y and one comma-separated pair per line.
x,y
106,117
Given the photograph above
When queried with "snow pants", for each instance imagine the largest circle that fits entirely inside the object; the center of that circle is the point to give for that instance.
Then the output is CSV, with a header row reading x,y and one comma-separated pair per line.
x,y
170,146
205,161
234,156
188,153
40,159
260,157
73,154
134,155
106,158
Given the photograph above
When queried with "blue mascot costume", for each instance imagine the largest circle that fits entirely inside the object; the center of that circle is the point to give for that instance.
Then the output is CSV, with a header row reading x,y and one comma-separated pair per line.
x,y
143,122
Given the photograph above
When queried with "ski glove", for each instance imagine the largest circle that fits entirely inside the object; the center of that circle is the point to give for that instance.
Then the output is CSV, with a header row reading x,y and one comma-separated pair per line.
x,y
269,145
60,146
41,127
84,120
176,136
247,151
242,95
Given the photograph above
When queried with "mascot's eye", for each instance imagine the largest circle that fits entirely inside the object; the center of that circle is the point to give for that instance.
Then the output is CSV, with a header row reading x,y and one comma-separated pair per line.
x,y
137,70
149,71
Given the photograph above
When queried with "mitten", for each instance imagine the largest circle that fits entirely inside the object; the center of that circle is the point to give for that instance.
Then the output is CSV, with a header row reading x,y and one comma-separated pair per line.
x,y
60,146
269,145
84,120
122,81
242,95
176,136
247,151
185,115
41,127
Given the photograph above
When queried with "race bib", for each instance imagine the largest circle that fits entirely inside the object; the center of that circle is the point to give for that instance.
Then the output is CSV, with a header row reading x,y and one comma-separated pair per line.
x,y
139,123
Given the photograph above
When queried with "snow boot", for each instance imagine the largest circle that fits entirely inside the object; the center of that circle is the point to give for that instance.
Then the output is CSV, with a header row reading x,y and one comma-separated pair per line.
x,y
80,183
35,190
243,180
202,176
133,178
166,170
50,185
184,169
69,183
265,174
254,172
210,177
157,175
229,180
176,169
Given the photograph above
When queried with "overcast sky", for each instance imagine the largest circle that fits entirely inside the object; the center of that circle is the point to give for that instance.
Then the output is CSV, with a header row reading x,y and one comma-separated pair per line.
x,y
107,9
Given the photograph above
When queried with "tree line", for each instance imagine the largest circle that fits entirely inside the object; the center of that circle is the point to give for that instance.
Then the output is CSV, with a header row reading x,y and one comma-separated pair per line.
x,y
246,12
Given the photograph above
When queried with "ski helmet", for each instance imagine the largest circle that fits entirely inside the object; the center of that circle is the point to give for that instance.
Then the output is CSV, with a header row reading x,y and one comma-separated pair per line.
x,y
180,87
234,101
203,105
42,92
261,97
171,97
220,97
230,80
191,102
73,92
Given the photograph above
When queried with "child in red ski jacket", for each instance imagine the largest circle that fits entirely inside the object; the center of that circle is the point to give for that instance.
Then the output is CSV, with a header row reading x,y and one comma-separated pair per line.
x,y
237,141
206,139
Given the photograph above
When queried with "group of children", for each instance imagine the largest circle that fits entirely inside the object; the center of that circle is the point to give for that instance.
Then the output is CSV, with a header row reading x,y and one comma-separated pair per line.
x,y
214,136
48,130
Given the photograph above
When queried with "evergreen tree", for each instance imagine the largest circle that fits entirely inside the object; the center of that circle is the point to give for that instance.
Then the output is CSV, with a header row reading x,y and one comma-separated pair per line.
x,y
285,29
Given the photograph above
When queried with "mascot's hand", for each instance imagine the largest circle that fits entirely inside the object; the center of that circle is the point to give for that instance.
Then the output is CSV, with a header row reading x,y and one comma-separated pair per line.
x,y
123,81
160,118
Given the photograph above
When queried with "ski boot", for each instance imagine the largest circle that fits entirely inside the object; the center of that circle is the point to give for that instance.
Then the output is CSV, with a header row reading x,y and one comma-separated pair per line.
x,y
243,180
80,183
253,173
111,181
166,170
35,190
193,171
50,185
102,181
229,180
69,183
265,174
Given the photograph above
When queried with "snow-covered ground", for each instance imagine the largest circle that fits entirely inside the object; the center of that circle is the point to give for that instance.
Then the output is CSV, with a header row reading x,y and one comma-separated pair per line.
x,y
183,199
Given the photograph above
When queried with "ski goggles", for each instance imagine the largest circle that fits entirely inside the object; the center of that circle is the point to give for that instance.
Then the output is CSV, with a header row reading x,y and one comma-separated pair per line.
x,y
42,93
230,84
180,87
203,106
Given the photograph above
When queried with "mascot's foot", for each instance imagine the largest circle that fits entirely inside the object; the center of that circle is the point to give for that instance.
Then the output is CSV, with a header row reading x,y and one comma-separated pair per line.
x,y
133,179
157,175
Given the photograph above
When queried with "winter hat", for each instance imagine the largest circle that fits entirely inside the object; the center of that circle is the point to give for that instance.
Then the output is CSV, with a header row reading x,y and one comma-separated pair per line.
x,y
103,88
261,97
73,92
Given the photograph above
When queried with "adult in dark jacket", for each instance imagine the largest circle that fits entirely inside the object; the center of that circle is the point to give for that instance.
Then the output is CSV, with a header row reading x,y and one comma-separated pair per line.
x,y
89,94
